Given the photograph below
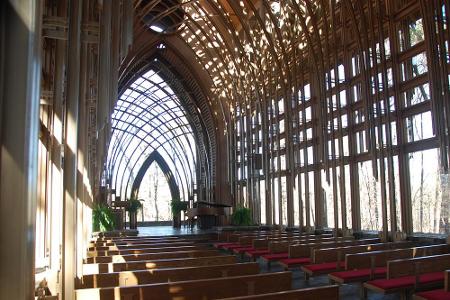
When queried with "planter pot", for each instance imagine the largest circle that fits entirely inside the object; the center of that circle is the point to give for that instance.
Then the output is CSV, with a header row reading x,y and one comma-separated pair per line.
x,y
176,221
133,220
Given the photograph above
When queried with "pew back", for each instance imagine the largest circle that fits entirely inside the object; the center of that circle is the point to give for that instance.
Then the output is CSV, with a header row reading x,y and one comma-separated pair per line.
x,y
380,258
151,256
144,250
157,264
327,292
324,255
215,288
128,278
418,265
304,249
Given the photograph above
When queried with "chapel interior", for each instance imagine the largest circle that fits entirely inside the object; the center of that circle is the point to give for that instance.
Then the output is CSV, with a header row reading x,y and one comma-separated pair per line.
x,y
224,149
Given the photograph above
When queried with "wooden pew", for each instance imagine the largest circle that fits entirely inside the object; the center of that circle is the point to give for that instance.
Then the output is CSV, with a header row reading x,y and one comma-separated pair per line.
x,y
362,267
440,294
145,250
157,264
165,275
406,275
328,260
324,255
300,254
141,246
133,238
230,237
151,256
280,252
243,241
214,288
239,239
326,292
257,252
142,240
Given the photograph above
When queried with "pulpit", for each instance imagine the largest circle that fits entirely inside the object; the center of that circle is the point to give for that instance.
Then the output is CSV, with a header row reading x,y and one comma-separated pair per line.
x,y
209,214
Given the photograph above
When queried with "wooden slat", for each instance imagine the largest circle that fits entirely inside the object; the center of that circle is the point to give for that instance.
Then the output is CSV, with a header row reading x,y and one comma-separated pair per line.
x,y
215,288
140,246
157,264
327,292
144,250
380,258
165,275
323,255
418,265
151,256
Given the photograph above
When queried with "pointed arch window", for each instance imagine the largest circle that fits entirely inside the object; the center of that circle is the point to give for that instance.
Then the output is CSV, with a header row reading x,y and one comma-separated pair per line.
x,y
150,117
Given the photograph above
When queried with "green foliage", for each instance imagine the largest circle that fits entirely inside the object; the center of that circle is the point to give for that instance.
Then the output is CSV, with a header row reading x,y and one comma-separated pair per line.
x,y
242,216
133,205
176,205
102,218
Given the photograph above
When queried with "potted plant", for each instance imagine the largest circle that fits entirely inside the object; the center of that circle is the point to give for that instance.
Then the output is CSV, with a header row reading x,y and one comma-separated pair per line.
x,y
242,216
177,206
133,206
102,218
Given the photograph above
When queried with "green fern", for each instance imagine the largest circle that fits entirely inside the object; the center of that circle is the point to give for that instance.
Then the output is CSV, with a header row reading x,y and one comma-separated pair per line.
x,y
242,216
102,218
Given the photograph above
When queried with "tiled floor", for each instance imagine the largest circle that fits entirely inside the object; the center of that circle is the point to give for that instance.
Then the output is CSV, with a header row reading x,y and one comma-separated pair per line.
x,y
347,292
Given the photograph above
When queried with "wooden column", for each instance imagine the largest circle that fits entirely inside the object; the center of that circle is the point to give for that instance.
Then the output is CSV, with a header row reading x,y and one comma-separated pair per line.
x,y
82,177
57,172
104,94
70,151
19,113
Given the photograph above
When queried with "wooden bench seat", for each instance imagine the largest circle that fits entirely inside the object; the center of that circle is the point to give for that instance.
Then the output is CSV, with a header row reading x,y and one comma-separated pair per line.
x,y
409,274
246,242
133,238
151,256
243,241
440,294
157,264
325,255
135,241
260,251
145,250
362,267
250,248
214,288
300,254
282,254
327,292
233,239
140,246
129,278
329,260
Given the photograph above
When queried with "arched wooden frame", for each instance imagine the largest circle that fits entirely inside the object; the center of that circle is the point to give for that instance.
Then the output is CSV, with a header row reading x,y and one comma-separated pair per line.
x,y
156,157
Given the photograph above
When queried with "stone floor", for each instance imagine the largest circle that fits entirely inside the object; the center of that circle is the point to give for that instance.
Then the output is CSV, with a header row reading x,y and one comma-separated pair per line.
x,y
347,292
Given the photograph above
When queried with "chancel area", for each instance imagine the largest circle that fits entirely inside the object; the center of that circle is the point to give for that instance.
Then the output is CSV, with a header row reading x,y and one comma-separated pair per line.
x,y
224,149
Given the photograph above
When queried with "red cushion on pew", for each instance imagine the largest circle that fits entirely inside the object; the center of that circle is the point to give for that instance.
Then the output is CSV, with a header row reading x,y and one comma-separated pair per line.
x,y
357,274
295,261
243,249
323,267
257,253
275,256
220,245
435,295
232,246
406,281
